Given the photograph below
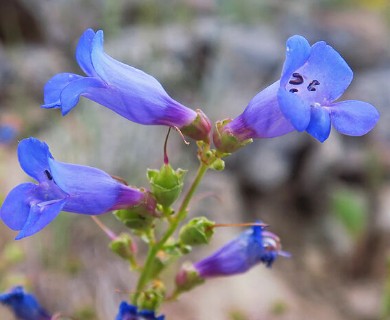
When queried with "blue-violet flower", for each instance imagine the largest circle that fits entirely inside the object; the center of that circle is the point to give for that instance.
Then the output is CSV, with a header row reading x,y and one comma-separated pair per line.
x,y
130,312
313,78
126,90
63,186
24,305
251,247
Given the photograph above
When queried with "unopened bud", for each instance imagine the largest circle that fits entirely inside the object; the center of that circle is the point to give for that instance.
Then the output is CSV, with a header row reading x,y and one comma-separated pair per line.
x,y
187,278
218,164
166,184
123,246
197,231
152,297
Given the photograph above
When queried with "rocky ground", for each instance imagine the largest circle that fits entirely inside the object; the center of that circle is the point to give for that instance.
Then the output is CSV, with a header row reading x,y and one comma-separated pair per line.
x,y
214,55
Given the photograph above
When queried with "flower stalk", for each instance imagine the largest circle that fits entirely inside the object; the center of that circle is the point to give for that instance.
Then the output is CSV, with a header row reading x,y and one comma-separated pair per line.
x,y
175,221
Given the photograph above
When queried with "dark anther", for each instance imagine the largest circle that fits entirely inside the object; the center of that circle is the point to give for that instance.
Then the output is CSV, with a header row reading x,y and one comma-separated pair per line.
x,y
48,175
293,90
298,79
311,86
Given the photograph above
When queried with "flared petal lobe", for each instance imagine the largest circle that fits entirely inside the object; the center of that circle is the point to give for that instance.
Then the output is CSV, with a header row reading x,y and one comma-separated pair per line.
x,y
33,156
331,71
319,126
83,52
16,206
297,53
40,215
353,118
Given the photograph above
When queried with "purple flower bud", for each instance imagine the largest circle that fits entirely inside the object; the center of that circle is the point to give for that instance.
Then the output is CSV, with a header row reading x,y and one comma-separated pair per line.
x,y
62,186
127,91
130,312
304,99
24,305
251,247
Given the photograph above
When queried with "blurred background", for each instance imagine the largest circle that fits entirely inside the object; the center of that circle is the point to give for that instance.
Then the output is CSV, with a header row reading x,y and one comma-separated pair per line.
x,y
329,203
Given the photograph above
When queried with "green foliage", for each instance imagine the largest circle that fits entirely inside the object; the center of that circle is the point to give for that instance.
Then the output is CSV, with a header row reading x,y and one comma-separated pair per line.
x,y
350,210
385,312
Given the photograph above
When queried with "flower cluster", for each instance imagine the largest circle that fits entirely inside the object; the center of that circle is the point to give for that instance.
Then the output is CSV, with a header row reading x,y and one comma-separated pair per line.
x,y
304,99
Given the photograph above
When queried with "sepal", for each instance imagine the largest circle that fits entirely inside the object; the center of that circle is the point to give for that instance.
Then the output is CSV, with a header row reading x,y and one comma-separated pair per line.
x,y
199,129
225,141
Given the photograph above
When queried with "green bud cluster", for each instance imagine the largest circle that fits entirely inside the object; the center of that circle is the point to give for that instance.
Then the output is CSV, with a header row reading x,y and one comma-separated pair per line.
x,y
152,297
166,184
197,231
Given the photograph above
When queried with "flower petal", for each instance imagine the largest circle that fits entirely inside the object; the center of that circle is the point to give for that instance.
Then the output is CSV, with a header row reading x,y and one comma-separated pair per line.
x,y
53,88
232,258
332,72
91,191
15,209
353,118
294,109
262,116
138,96
70,95
40,215
83,52
297,52
33,157
319,126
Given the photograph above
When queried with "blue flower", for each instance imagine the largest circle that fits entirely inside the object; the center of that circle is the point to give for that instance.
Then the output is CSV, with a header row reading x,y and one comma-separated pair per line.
x,y
304,99
251,247
130,312
63,186
24,305
127,91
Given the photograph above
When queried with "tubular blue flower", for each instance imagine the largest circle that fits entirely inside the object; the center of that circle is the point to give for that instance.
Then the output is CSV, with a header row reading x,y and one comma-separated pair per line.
x,y
130,312
304,99
251,247
127,91
63,186
24,305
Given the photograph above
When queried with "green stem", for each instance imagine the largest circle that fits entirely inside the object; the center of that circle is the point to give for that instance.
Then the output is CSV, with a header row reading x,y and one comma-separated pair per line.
x,y
180,216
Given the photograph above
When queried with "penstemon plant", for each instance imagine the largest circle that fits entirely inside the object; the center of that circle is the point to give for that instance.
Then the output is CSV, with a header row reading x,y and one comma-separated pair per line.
x,y
304,99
